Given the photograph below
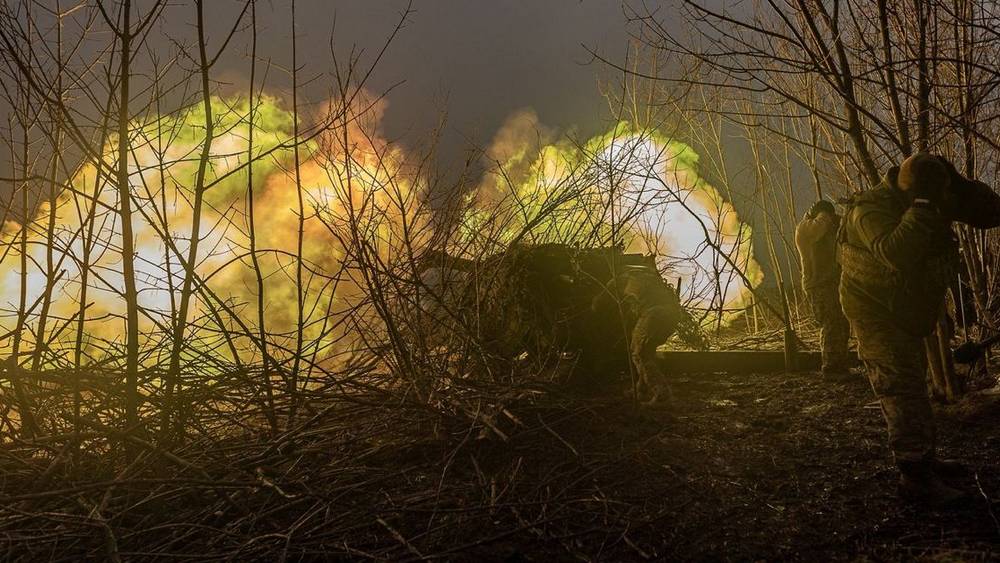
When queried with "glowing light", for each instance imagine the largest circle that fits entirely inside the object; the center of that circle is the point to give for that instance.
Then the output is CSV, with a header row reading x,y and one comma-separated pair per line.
x,y
162,178
632,187
695,234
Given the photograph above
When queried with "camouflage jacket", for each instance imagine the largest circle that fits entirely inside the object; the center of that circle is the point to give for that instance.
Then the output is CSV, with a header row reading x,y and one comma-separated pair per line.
x,y
816,241
644,289
897,260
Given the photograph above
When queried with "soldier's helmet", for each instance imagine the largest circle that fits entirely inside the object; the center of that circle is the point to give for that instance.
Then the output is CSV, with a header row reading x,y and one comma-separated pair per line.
x,y
922,172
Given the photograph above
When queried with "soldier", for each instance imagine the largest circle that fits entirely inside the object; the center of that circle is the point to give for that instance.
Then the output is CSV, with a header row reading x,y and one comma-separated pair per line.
x,y
652,312
898,256
816,241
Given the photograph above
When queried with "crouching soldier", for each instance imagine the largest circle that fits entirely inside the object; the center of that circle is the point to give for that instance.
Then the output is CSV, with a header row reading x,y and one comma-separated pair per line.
x,y
898,256
816,241
650,310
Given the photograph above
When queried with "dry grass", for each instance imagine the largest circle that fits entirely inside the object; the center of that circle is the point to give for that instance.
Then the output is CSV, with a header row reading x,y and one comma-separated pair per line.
x,y
759,466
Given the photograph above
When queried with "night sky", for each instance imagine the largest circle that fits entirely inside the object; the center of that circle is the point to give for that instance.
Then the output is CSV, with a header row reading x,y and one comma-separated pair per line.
x,y
476,61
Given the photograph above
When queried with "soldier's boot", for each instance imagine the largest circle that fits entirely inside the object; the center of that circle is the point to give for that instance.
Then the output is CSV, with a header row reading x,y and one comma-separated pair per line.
x,y
639,392
659,395
919,483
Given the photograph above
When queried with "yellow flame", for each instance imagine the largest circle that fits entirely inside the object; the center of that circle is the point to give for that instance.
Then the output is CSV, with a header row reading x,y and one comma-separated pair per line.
x,y
629,186
363,181
632,187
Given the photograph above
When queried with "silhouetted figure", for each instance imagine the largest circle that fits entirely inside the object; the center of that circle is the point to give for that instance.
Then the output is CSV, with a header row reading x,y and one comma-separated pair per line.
x,y
816,241
898,255
651,312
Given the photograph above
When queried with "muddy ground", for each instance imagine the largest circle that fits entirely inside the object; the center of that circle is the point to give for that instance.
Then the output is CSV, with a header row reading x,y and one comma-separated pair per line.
x,y
765,466
746,467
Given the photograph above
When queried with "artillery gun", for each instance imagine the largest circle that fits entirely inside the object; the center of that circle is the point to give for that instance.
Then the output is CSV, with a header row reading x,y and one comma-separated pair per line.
x,y
553,303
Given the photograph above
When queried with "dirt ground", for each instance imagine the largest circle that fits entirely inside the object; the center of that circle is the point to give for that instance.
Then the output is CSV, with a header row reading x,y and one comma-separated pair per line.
x,y
748,467
766,467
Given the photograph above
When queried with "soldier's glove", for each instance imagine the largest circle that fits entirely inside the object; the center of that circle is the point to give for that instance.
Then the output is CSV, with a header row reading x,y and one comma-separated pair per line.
x,y
929,196
959,192
956,176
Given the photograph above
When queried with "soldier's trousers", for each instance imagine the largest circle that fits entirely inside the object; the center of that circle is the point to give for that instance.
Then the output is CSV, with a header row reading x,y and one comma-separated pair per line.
x,y
834,328
653,327
897,369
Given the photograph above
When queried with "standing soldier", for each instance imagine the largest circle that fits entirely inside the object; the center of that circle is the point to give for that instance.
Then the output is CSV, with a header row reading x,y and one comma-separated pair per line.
x,y
898,256
816,241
